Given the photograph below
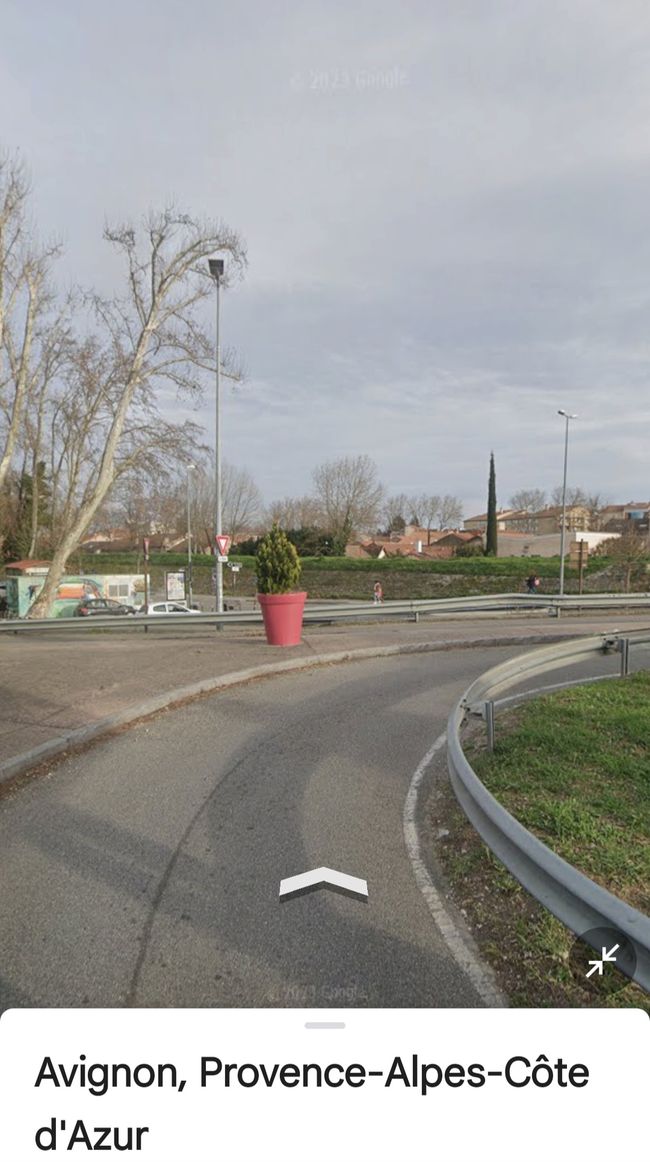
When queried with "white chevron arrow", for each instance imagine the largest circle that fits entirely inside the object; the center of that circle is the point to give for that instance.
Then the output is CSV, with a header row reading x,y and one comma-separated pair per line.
x,y
323,877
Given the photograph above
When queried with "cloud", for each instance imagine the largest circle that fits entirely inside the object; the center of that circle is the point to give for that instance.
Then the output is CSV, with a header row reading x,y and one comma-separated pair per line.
x,y
445,207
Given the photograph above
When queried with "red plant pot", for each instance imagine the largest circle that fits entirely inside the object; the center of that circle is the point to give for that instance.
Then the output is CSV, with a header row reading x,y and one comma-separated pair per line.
x,y
282,613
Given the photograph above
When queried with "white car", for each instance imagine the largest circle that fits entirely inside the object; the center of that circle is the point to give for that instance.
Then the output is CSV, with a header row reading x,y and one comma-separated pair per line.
x,y
160,608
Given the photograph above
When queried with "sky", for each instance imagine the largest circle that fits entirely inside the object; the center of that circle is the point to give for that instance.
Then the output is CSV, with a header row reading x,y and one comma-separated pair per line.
x,y
445,206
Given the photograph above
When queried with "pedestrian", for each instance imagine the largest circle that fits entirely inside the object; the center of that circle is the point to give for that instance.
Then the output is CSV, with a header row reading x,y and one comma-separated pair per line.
x,y
377,593
532,583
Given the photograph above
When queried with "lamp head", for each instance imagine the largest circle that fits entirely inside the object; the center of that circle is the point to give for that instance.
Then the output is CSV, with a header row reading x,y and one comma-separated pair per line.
x,y
216,267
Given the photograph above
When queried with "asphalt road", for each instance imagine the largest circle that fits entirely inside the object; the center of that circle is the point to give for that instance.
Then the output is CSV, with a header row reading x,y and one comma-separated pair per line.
x,y
146,871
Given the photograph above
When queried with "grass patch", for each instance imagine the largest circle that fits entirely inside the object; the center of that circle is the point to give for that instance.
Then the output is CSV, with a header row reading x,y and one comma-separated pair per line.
x,y
518,567
527,947
574,768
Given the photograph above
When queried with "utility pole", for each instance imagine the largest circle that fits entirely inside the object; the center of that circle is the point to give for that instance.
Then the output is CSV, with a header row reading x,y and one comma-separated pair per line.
x,y
216,270
188,587
567,417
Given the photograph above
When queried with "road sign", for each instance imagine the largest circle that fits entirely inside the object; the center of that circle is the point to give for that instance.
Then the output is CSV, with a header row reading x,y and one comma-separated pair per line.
x,y
223,544
221,558
577,551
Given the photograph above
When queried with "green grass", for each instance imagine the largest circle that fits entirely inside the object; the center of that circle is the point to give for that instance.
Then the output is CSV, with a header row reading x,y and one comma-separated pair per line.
x,y
574,768
468,566
345,578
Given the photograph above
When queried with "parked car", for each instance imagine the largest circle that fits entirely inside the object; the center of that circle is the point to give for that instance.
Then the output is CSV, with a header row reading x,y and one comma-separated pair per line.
x,y
102,606
160,608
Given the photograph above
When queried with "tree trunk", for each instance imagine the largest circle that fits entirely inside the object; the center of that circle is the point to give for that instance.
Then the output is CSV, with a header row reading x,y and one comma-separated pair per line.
x,y
42,605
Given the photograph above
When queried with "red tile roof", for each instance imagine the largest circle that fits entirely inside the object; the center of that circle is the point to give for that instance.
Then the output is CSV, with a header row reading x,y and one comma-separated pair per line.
x,y
28,563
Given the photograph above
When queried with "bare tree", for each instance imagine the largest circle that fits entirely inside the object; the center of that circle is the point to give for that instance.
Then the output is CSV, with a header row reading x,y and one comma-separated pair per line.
x,y
628,553
397,512
349,494
595,502
425,510
295,512
152,503
55,349
31,339
242,500
240,497
528,500
149,337
202,506
81,414
450,512
574,496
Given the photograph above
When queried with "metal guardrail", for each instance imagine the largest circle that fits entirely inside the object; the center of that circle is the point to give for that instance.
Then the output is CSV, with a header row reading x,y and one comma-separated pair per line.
x,y
325,613
576,900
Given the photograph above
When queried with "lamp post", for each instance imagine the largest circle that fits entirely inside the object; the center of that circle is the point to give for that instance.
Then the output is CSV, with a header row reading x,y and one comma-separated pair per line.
x,y
216,270
190,469
568,416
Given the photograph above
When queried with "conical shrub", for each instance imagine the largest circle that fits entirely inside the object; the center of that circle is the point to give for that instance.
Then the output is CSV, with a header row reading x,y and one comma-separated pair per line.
x,y
277,565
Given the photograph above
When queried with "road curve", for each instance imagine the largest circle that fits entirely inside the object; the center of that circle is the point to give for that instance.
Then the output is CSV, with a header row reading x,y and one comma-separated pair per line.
x,y
146,871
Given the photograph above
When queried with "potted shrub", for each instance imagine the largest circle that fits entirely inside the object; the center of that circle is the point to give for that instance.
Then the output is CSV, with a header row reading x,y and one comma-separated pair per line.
x,y
278,572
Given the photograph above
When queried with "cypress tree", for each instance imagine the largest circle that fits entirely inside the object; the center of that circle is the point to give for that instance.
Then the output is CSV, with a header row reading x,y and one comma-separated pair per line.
x,y
491,534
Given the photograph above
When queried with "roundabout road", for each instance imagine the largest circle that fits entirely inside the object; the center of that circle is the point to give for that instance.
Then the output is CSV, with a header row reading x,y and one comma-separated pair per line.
x,y
146,871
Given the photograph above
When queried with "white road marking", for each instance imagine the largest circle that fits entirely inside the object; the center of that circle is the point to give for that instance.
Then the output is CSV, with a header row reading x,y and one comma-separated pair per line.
x,y
323,877
479,974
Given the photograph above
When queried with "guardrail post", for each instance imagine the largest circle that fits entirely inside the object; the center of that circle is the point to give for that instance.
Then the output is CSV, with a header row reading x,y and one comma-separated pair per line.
x,y
625,657
416,616
489,723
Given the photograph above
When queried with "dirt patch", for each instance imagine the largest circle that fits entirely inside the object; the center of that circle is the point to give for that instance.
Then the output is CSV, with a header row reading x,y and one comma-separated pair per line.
x,y
527,948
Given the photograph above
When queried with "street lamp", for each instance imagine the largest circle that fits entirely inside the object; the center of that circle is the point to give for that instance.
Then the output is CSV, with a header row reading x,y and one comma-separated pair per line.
x,y
568,416
216,270
190,469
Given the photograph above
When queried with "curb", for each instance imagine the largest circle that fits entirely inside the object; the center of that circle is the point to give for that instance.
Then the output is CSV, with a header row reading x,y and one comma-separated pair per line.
x,y
21,763
456,934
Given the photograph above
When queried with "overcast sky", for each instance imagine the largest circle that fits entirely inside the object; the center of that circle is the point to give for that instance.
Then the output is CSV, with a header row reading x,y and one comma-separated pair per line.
x,y
446,208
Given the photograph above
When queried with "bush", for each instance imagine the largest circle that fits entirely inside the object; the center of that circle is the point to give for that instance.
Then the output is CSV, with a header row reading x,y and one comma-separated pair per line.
x,y
276,564
469,551
248,548
314,542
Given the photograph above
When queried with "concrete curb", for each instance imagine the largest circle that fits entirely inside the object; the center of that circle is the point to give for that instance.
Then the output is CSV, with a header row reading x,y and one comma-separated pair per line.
x,y
21,763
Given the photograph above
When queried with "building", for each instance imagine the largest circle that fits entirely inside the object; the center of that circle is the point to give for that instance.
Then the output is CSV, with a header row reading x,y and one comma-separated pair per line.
x,y
442,543
636,515
512,544
25,579
541,523
479,523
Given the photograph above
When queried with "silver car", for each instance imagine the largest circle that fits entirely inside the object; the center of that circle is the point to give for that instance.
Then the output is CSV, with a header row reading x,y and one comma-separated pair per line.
x,y
161,608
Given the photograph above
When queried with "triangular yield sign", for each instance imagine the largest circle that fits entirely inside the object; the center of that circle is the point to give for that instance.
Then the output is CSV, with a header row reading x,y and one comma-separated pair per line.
x,y
223,544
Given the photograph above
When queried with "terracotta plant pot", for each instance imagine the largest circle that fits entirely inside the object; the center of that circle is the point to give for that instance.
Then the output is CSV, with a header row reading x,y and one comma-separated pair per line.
x,y
282,613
